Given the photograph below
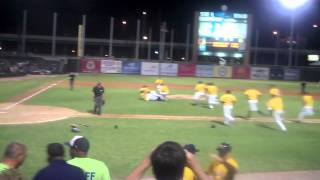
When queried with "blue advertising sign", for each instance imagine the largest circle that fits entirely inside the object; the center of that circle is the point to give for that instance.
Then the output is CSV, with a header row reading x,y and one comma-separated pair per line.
x,y
129,67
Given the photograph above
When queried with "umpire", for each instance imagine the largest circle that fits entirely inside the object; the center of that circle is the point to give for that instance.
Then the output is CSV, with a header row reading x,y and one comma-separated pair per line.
x,y
98,92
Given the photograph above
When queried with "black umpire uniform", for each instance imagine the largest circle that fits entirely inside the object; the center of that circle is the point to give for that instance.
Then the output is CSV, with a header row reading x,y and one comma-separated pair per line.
x,y
98,92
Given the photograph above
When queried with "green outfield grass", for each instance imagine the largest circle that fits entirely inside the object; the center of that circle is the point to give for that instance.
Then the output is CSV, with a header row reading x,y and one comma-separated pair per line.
x,y
257,146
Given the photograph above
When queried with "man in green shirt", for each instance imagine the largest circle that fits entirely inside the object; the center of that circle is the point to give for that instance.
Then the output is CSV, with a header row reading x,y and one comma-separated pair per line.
x,y
13,158
94,169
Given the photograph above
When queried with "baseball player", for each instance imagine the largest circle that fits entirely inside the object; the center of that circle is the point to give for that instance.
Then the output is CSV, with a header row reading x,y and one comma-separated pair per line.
x,y
158,83
153,96
164,91
98,92
228,100
72,76
212,94
252,96
223,166
275,104
274,91
200,89
307,109
143,91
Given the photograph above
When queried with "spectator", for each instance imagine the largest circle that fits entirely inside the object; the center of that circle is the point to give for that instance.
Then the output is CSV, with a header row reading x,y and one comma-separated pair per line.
x,y
188,174
58,168
13,158
223,166
93,169
168,161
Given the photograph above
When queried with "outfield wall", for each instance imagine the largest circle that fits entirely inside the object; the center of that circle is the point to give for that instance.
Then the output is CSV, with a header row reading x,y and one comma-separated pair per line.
x,y
198,70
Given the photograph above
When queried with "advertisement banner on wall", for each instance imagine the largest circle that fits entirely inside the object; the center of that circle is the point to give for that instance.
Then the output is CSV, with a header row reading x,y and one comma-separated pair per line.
x,y
204,71
241,72
111,66
150,68
276,73
187,70
222,71
90,66
129,67
292,74
260,73
168,69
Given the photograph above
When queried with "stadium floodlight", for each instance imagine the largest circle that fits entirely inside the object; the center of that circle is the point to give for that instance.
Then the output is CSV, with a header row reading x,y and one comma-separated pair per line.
x,y
275,33
315,26
293,4
144,12
106,55
183,58
124,22
0,48
156,52
145,37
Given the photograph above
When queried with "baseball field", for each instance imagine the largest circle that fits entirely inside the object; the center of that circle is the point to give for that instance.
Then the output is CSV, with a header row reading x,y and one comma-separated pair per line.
x,y
38,110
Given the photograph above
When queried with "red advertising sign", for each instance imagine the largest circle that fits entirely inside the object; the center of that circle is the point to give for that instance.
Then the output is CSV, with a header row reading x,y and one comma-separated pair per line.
x,y
187,70
241,72
90,66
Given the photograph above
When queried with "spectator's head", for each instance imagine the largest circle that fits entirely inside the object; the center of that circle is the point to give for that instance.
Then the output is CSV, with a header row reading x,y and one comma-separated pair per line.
x,y
223,149
79,146
168,161
200,82
14,155
55,151
228,91
191,148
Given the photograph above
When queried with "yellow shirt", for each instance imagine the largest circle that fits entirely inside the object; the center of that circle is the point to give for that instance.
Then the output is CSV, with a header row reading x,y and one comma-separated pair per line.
x,y
219,171
200,88
308,100
274,91
252,94
212,90
275,104
158,81
165,89
144,91
228,99
188,174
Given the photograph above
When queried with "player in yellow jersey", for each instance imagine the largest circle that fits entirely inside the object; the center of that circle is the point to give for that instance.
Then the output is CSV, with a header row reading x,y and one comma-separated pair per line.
x,y
274,91
275,104
143,91
188,174
228,100
158,83
212,93
164,91
223,165
200,90
253,98
307,109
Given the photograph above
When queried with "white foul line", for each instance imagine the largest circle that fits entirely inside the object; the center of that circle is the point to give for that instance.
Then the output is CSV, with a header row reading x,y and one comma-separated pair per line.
x,y
31,96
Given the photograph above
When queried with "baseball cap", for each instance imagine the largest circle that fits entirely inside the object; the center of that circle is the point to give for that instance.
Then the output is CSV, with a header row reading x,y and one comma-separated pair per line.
x,y
191,148
224,147
79,142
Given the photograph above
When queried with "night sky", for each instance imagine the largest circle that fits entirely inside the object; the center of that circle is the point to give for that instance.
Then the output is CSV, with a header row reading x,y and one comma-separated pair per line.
x,y
268,15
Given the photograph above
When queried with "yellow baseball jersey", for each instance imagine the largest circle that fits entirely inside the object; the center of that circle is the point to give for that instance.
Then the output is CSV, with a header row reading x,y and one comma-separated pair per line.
x,y
212,90
274,91
308,100
165,89
158,81
252,94
200,88
275,104
144,91
188,174
218,170
228,99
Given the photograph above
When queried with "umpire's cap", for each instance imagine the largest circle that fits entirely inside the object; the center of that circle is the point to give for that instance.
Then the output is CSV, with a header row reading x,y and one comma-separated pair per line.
x,y
224,148
80,143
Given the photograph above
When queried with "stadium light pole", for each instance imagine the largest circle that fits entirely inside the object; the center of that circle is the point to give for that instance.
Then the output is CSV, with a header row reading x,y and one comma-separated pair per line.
x,y
292,5
276,34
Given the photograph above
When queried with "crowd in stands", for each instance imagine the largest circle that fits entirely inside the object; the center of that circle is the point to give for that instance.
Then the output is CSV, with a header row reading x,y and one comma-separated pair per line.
x,y
168,161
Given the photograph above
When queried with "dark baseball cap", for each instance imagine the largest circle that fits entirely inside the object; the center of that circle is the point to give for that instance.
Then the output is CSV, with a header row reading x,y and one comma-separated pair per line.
x,y
191,148
224,147
80,143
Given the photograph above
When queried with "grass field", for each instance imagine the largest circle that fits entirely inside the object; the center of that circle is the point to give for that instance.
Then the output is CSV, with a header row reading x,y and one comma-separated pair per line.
x,y
257,146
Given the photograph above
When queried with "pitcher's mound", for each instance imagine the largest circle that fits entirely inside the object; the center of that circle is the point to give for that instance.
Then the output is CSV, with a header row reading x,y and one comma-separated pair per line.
x,y
29,114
